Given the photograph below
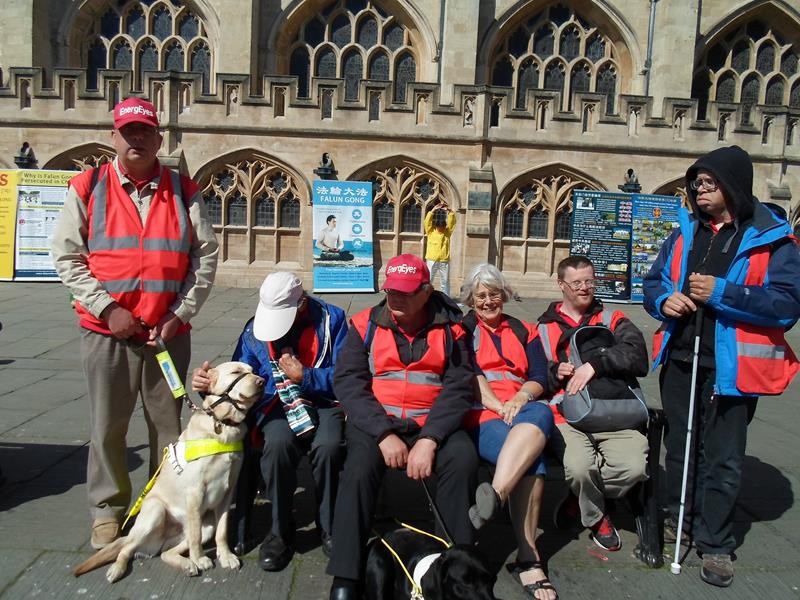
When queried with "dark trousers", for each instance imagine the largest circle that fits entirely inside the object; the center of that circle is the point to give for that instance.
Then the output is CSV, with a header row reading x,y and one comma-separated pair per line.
x,y
279,459
455,466
719,439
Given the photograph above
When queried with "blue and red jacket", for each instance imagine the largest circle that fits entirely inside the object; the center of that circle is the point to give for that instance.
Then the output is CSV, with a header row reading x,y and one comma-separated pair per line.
x,y
756,301
319,344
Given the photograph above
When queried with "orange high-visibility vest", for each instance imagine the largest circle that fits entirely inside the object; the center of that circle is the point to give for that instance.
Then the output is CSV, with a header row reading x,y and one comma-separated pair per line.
x,y
764,363
505,379
551,332
404,391
142,266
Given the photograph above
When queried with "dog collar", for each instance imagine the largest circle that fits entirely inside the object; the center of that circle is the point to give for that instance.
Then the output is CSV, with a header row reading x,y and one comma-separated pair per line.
x,y
422,567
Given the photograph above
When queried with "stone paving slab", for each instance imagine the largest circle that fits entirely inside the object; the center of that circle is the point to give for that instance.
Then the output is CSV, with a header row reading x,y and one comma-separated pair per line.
x,y
44,520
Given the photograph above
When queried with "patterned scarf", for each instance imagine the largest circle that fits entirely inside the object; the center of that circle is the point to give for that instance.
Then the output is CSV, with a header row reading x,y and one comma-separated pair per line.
x,y
300,413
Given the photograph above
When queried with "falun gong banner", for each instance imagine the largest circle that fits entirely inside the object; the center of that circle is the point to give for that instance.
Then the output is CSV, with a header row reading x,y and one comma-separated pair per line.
x,y
342,245
30,207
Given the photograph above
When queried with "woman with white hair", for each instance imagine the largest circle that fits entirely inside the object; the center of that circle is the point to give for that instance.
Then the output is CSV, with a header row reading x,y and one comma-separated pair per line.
x,y
509,426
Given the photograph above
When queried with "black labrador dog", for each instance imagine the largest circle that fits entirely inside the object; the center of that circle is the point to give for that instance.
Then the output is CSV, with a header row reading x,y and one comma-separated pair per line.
x,y
459,573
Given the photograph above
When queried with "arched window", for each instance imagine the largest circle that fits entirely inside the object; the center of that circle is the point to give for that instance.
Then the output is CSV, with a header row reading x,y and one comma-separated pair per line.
x,y
162,31
214,208
405,73
265,212
537,223
512,222
237,210
411,218
757,53
384,215
290,212
353,72
354,40
557,31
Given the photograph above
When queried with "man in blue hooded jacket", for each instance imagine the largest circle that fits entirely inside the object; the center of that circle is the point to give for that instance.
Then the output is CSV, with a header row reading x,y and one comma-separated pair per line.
x,y
732,264
292,342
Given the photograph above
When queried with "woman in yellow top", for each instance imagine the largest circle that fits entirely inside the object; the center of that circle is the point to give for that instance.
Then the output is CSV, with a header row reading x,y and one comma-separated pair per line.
x,y
440,222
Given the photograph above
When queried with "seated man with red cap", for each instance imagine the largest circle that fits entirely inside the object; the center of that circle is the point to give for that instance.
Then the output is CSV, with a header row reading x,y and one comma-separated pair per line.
x,y
292,342
405,383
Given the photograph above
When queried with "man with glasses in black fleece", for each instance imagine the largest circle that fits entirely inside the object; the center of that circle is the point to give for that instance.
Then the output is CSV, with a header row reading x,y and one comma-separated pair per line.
x,y
404,380
598,465
733,264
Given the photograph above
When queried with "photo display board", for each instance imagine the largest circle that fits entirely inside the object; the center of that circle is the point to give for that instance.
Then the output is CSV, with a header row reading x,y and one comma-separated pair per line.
x,y
621,234
342,244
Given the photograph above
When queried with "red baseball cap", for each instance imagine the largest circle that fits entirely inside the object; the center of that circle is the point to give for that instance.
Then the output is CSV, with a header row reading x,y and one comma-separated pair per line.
x,y
134,110
406,273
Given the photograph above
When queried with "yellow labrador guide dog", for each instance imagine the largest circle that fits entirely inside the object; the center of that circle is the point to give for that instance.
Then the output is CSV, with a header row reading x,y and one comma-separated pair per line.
x,y
192,494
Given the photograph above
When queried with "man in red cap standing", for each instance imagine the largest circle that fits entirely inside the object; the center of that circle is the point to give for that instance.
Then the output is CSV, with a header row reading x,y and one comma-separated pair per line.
x,y
404,381
137,252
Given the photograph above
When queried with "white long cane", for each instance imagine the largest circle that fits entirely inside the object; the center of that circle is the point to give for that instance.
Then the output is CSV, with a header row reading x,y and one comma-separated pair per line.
x,y
675,567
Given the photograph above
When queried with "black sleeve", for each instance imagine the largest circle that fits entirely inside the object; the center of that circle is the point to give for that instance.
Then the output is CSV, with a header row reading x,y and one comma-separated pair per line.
x,y
352,384
455,399
628,357
537,362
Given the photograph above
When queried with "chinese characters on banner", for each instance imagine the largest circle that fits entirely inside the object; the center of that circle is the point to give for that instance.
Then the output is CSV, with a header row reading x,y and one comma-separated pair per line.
x,y
621,234
342,245
30,206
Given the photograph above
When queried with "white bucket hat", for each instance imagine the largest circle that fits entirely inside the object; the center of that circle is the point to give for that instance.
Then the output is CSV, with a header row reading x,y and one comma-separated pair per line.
x,y
279,298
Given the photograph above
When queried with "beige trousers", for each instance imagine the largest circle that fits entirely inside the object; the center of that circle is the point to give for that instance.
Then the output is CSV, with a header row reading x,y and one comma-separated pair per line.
x,y
117,374
605,468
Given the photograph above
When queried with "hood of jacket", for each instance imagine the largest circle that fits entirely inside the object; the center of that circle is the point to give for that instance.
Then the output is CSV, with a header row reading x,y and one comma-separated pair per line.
x,y
441,308
551,315
733,169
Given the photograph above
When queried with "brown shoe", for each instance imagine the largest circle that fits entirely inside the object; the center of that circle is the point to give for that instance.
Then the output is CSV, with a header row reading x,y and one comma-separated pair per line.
x,y
104,531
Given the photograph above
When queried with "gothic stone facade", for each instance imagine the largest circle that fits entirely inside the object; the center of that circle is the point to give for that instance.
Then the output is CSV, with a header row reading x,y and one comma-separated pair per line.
x,y
500,109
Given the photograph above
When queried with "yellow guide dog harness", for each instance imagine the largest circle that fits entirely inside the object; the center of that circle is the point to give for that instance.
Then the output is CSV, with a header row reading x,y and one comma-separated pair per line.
x,y
180,454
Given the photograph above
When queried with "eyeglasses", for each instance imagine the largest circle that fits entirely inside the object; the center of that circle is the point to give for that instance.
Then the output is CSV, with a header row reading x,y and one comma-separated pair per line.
x,y
589,284
483,297
708,185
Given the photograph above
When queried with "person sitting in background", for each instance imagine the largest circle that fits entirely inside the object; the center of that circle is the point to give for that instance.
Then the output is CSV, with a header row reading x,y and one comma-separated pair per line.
x,y
596,465
292,342
510,428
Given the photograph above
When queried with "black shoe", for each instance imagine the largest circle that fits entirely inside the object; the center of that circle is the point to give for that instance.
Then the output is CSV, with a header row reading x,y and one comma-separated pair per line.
x,y
274,554
327,543
717,569
344,589
605,534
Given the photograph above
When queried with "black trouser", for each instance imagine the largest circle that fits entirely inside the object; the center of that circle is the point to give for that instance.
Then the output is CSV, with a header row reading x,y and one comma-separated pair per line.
x,y
719,439
282,453
455,466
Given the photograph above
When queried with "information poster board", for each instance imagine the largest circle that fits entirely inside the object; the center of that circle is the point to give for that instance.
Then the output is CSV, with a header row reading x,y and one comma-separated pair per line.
x,y
621,234
601,231
30,207
342,246
654,218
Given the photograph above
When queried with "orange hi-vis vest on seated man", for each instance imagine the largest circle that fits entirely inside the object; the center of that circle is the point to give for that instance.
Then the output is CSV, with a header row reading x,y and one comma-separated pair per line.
x,y
505,374
550,334
142,266
404,391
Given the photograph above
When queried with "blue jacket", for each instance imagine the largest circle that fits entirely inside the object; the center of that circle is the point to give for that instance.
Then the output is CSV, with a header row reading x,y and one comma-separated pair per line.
x,y
317,384
774,304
